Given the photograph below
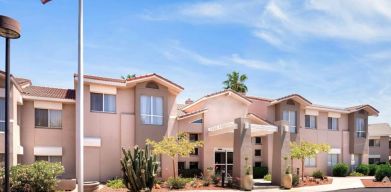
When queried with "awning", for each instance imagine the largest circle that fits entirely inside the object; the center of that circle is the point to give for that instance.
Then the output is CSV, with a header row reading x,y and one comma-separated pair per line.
x,y
48,151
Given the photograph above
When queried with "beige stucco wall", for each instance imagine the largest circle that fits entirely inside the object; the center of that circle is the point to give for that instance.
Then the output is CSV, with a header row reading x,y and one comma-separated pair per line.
x,y
382,150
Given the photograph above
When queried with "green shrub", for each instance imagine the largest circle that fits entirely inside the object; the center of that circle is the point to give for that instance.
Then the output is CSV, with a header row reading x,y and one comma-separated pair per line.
x,y
340,170
317,174
40,176
363,169
259,172
356,174
295,180
372,169
268,177
190,173
382,171
177,183
216,178
115,183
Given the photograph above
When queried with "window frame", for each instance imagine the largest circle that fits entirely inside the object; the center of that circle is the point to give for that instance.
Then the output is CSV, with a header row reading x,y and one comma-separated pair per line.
x,y
257,155
260,141
292,128
103,103
49,125
360,127
310,126
310,162
151,116
198,121
330,123
49,158
375,141
195,162
330,160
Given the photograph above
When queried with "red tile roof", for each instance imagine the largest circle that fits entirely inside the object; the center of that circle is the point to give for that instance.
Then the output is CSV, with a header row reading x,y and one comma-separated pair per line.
x,y
293,95
260,98
38,91
191,113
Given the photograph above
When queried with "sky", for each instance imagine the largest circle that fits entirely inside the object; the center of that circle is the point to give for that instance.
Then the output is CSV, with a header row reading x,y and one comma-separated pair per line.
x,y
334,53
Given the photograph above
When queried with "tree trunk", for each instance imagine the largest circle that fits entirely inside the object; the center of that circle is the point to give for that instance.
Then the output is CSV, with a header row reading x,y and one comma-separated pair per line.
x,y
291,165
302,169
173,167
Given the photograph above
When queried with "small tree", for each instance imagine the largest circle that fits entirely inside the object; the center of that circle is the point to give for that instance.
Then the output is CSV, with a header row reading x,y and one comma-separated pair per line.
x,y
128,76
304,150
175,146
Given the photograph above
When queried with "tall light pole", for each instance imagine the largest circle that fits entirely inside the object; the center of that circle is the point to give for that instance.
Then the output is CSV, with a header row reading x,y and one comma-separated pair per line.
x,y
9,29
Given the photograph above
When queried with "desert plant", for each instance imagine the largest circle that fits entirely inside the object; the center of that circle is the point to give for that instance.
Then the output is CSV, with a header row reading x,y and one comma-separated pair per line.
x,y
115,183
382,171
295,180
139,169
177,183
372,169
259,172
363,168
317,174
340,170
356,174
268,177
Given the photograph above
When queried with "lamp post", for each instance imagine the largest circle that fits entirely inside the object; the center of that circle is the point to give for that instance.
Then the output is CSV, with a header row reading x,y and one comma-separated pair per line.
x,y
9,29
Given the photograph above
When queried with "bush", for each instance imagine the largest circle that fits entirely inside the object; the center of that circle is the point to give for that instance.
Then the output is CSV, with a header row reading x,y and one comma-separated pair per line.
x,y
40,176
268,177
259,172
177,183
295,180
190,173
372,169
356,174
216,178
317,174
115,183
382,171
340,170
363,169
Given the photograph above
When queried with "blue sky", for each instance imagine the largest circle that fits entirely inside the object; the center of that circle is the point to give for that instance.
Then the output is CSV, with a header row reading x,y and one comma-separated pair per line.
x,y
332,52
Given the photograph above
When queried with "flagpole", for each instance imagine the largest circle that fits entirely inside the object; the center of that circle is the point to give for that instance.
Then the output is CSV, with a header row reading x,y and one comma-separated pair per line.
x,y
80,101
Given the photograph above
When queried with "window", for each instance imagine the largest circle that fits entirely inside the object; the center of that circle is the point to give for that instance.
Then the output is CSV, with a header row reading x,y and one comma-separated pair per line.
x,y
194,137
181,166
310,162
198,121
257,152
258,140
103,102
53,159
374,142
373,160
151,110
290,117
332,159
48,118
2,115
193,165
333,123
360,127
152,85
257,164
2,159
310,121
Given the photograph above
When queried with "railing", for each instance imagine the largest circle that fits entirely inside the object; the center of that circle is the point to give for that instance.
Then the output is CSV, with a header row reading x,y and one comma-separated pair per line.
x,y
361,134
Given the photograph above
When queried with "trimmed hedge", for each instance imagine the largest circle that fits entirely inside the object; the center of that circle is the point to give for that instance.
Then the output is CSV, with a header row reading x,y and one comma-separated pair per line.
x,y
363,169
382,171
259,172
190,173
340,170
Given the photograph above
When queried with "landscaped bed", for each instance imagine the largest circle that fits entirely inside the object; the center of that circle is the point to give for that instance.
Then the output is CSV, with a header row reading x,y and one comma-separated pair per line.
x,y
310,181
371,183
164,188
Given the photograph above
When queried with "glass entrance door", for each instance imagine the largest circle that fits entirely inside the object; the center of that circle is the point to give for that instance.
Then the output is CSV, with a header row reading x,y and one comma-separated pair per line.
x,y
224,162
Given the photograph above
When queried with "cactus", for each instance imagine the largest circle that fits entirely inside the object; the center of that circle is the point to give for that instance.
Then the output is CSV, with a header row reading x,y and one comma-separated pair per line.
x,y
139,169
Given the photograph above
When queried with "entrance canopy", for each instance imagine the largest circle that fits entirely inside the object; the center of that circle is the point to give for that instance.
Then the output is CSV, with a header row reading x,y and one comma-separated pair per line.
x,y
229,127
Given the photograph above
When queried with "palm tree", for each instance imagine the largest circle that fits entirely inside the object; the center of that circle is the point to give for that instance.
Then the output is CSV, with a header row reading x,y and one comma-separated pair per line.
x,y
128,76
235,82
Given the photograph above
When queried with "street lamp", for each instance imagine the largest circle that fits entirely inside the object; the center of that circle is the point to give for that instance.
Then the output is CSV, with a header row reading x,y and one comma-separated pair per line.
x,y
9,29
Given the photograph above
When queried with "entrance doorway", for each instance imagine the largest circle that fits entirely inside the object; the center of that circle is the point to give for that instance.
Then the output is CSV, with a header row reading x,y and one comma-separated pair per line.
x,y
224,162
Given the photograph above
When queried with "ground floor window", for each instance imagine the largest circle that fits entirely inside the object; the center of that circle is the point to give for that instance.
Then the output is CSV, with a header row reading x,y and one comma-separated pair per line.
x,y
53,159
181,166
193,165
373,160
332,159
257,164
2,159
310,162
224,162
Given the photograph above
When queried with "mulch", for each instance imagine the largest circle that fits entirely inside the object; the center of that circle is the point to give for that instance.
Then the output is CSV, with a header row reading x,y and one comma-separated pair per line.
x,y
313,182
370,183
210,187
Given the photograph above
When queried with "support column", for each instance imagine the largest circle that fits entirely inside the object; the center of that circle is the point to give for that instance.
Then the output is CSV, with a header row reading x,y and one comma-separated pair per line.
x,y
242,149
281,149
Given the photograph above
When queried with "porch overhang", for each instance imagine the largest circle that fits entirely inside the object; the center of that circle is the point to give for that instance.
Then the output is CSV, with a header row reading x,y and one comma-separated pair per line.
x,y
256,129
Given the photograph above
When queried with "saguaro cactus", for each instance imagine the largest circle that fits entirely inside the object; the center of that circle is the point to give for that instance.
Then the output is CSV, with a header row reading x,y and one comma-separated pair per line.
x,y
139,169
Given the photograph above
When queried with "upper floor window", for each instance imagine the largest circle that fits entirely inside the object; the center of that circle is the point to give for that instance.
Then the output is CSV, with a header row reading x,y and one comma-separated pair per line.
x,y
2,115
258,140
257,152
103,102
151,110
374,142
152,85
290,117
48,118
360,127
310,121
193,137
198,121
333,124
